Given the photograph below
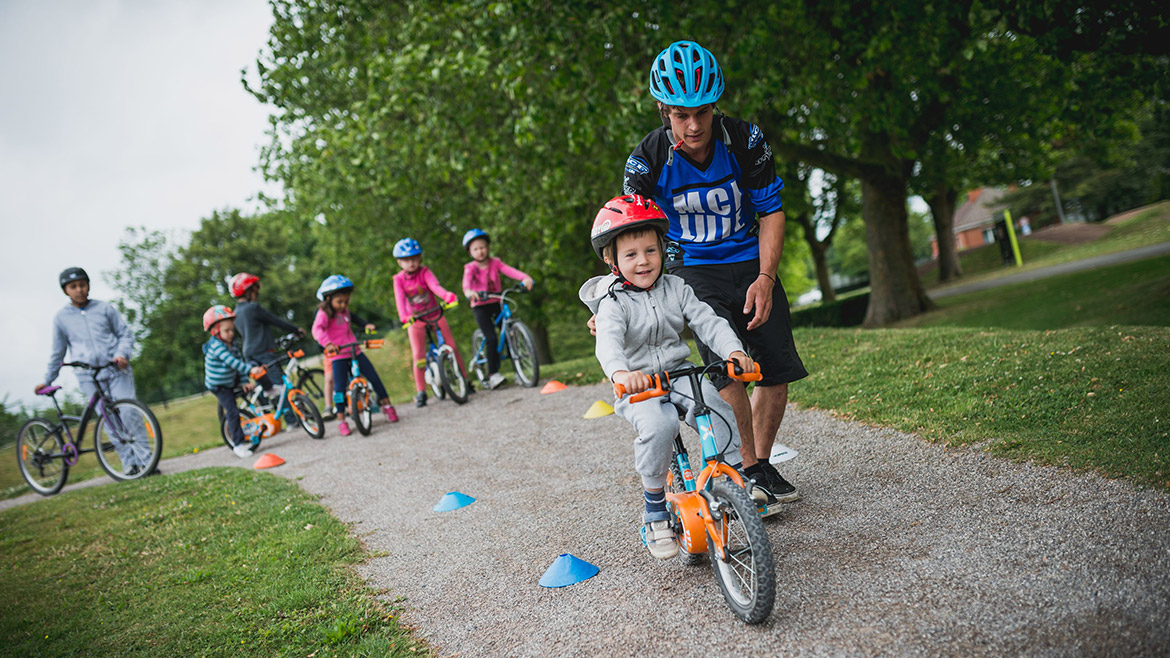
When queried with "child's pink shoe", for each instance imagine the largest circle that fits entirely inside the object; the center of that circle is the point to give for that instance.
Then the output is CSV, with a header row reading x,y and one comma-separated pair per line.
x,y
391,414
343,428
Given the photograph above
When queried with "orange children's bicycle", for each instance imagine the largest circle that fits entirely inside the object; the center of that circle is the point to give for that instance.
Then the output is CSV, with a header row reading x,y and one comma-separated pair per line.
x,y
713,513
357,395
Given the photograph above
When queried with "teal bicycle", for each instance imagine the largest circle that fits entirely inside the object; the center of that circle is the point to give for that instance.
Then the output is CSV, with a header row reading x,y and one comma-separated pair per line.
x,y
515,342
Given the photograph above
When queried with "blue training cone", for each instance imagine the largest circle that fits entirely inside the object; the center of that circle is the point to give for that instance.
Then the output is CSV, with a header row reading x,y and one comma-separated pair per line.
x,y
567,570
453,501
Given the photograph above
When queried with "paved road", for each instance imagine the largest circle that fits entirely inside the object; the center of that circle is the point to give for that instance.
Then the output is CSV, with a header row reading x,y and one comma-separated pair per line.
x,y
1140,253
900,547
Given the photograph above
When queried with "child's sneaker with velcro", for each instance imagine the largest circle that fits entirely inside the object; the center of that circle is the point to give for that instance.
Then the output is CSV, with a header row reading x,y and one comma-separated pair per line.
x,y
659,538
391,414
242,451
343,428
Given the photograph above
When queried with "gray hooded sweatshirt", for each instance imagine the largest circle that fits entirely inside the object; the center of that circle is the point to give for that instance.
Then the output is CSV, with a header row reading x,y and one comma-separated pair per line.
x,y
94,335
643,330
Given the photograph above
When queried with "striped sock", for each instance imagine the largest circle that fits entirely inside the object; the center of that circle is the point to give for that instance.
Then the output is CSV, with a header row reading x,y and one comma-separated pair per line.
x,y
655,501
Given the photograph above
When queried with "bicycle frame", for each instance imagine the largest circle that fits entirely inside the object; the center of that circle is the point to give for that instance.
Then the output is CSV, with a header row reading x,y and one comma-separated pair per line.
x,y
282,406
501,322
355,374
96,407
693,506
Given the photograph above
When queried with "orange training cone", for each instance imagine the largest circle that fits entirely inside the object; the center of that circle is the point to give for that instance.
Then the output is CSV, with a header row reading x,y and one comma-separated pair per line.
x,y
268,461
553,386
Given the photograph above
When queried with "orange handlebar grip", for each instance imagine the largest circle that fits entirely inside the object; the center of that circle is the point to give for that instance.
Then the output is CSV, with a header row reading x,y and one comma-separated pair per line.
x,y
753,376
263,371
374,343
297,354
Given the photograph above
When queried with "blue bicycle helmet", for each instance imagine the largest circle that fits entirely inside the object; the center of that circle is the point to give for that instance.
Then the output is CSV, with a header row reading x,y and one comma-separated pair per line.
x,y
473,234
686,74
407,247
333,283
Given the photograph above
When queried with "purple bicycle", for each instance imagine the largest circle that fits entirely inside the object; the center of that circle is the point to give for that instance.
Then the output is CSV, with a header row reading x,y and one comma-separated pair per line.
x,y
127,440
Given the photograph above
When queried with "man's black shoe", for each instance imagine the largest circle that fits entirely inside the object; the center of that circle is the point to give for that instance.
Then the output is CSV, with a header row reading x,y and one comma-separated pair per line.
x,y
779,487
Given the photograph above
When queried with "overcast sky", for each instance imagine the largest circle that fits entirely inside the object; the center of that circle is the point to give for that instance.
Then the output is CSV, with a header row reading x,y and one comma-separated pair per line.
x,y
113,114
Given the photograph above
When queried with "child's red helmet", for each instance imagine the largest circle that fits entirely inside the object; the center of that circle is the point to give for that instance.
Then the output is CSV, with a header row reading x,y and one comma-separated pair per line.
x,y
214,315
623,213
241,282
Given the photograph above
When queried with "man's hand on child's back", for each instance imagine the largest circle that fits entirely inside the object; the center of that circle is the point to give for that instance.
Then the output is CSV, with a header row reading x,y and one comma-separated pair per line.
x,y
634,382
592,324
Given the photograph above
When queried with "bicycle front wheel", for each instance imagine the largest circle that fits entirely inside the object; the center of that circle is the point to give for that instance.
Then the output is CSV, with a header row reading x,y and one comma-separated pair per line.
x,y
452,378
308,414
522,349
479,359
359,407
225,432
40,453
127,440
748,576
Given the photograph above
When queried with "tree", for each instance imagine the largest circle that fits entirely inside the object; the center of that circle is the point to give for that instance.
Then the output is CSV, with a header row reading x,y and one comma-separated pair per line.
x,y
819,212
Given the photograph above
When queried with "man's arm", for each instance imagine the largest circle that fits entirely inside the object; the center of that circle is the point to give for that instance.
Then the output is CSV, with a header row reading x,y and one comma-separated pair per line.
x,y
759,294
271,319
57,355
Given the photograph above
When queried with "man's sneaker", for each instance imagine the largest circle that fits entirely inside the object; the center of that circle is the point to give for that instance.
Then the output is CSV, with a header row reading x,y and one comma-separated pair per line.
x,y
766,503
132,471
659,539
343,428
242,451
420,400
153,471
780,488
391,414
495,381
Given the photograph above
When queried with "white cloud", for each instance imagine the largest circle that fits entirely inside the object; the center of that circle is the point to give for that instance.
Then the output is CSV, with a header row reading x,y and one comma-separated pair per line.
x,y
114,114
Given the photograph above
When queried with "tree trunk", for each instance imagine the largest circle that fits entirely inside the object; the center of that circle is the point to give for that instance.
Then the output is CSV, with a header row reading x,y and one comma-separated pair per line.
x,y
895,290
818,256
942,208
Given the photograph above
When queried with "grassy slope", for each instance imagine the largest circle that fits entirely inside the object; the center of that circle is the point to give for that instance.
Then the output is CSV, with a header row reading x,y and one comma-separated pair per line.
x,y
210,562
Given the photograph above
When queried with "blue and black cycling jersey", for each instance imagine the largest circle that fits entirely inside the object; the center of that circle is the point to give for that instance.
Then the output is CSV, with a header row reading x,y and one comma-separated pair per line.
x,y
712,207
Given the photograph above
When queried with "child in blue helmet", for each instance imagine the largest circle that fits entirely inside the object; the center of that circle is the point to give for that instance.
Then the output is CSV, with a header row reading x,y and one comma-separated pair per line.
x,y
417,292
480,277
332,329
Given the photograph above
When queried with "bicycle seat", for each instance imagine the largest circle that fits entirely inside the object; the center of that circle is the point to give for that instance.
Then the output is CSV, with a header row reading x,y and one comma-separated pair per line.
x,y
48,390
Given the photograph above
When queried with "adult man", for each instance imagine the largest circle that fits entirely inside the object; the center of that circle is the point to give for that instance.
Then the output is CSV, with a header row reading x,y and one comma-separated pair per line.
x,y
94,332
712,174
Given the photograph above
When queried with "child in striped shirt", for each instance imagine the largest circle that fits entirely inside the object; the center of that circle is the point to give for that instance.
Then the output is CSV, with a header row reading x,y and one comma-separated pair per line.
x,y
222,366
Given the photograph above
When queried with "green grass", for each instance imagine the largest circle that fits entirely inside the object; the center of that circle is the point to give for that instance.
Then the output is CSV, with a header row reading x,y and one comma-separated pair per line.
x,y
216,562
1088,398
1136,293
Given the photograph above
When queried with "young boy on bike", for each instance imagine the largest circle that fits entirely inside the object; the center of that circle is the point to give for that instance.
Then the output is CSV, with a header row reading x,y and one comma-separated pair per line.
x,y
94,332
222,366
640,315
252,323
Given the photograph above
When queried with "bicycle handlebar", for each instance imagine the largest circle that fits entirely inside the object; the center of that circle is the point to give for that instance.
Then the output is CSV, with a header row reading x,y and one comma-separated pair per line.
x,y
514,288
422,317
369,344
662,379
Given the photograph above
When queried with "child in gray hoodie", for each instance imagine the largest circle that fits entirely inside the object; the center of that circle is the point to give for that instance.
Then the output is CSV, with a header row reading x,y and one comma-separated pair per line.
x,y
640,315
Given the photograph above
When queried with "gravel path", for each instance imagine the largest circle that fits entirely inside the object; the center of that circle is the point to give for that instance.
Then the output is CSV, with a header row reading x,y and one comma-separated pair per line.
x,y
899,547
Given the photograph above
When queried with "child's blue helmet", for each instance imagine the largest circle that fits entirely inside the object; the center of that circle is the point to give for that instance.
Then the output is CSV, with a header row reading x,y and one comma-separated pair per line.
x,y
407,247
332,284
473,234
686,74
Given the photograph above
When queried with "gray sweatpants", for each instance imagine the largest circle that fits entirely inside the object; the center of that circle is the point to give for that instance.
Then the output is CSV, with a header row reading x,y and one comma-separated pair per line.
x,y
120,384
656,421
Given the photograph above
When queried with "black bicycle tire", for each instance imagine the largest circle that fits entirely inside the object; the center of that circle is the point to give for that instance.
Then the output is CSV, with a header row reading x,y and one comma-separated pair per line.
x,y
245,414
517,330
309,409
59,442
478,369
363,427
307,381
448,357
156,452
763,598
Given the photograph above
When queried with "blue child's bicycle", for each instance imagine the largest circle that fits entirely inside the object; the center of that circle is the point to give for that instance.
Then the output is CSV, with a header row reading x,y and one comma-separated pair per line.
x,y
443,374
358,401
260,418
515,343
125,429
713,513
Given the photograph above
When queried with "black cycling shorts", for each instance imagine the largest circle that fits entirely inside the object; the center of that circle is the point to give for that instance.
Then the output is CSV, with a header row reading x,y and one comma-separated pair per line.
x,y
724,287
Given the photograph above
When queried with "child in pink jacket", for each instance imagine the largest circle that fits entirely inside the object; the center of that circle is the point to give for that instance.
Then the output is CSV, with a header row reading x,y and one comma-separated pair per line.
x,y
482,275
417,293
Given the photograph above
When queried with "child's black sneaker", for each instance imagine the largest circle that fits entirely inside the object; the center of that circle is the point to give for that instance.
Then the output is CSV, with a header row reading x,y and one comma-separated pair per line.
x,y
420,400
